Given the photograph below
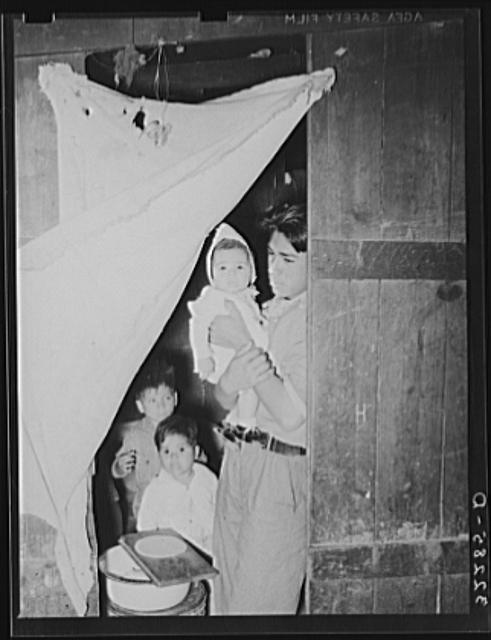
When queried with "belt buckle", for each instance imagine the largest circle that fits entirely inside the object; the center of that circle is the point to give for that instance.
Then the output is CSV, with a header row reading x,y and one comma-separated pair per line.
x,y
246,435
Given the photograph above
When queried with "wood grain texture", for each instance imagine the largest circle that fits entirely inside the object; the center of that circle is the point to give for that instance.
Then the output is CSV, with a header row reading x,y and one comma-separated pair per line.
x,y
387,147
225,48
342,562
345,149
410,250
384,260
419,577
417,132
37,157
455,593
341,597
36,148
344,366
455,487
457,209
422,558
415,595
67,35
392,559
410,410
279,23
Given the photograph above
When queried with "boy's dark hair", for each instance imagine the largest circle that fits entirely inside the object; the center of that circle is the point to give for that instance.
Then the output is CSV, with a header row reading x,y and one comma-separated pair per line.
x,y
291,221
153,375
176,424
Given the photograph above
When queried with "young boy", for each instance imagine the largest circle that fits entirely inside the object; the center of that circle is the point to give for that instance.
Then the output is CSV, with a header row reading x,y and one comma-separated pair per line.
x,y
137,462
231,274
182,496
260,533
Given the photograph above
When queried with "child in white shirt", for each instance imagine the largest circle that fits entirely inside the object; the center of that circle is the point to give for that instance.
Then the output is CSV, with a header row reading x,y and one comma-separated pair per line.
x,y
231,274
182,495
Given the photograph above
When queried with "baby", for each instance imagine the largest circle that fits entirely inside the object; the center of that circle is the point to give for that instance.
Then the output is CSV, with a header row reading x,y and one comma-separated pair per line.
x,y
231,274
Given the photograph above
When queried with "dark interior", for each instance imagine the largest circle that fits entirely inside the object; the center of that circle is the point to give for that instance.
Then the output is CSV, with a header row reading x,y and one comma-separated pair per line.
x,y
195,71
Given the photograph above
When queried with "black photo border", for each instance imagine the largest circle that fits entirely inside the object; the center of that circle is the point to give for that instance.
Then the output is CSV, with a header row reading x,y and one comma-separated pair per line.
x,y
478,98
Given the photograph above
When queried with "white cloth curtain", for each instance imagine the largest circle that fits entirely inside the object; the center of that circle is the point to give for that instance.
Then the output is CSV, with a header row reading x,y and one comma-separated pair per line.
x,y
95,292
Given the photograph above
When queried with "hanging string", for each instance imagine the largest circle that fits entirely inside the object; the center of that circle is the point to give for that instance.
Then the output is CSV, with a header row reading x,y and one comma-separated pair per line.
x,y
156,83
166,75
158,129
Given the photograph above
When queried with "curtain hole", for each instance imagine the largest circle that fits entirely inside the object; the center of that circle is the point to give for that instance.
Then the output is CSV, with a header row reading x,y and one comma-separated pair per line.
x,y
139,120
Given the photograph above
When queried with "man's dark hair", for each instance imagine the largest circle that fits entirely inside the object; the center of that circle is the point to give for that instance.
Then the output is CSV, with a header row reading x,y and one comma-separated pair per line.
x,y
154,374
176,424
291,221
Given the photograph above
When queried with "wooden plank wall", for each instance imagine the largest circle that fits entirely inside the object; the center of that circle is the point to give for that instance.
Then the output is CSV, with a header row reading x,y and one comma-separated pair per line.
x,y
389,399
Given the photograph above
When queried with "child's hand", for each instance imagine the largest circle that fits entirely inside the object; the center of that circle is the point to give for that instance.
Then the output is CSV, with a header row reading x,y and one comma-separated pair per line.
x,y
125,462
206,366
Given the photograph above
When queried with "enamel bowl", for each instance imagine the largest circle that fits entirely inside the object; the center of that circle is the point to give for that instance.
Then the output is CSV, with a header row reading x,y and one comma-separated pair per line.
x,y
128,587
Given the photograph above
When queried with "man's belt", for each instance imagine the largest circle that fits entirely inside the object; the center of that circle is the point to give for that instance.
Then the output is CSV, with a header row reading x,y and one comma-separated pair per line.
x,y
266,440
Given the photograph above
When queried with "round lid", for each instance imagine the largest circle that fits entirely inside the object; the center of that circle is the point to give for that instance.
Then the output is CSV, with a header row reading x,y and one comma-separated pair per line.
x,y
160,546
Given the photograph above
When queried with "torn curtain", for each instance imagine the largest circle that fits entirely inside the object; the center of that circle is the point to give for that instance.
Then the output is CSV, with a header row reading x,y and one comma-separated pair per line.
x,y
96,290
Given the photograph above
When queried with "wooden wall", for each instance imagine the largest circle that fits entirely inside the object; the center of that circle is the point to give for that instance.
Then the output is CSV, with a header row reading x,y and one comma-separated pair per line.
x,y
389,530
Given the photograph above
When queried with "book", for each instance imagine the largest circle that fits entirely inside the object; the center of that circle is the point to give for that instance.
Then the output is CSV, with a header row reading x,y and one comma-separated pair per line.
x,y
167,558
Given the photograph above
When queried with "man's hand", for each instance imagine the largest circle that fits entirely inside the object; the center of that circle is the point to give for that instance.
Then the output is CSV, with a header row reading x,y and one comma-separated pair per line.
x,y
229,330
248,367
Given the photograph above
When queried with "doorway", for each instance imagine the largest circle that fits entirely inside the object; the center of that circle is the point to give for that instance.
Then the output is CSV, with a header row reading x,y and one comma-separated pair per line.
x,y
282,180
